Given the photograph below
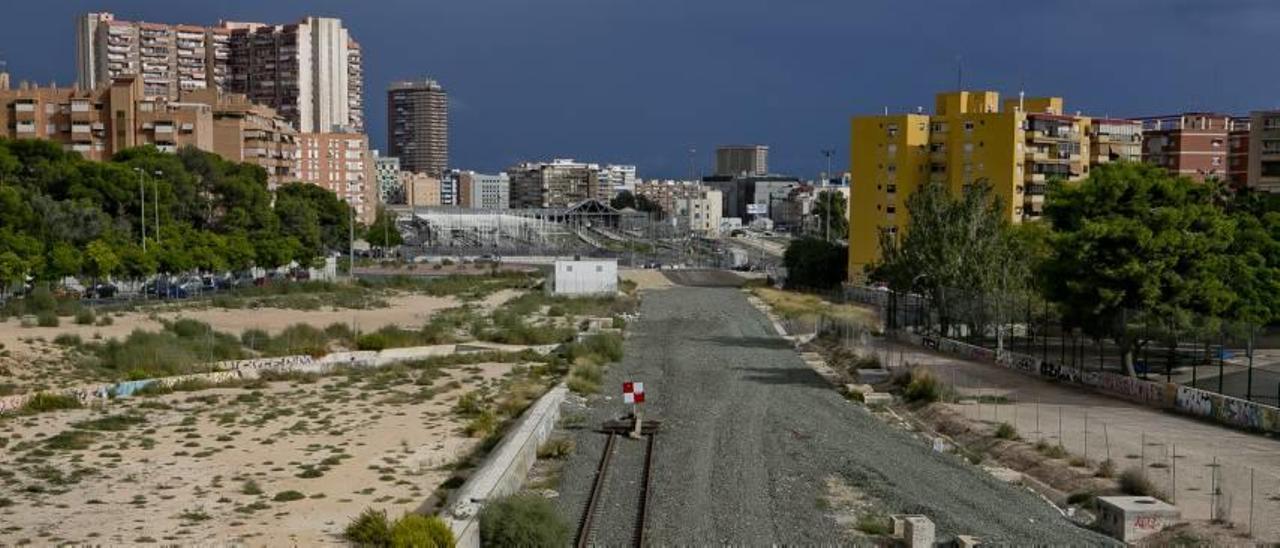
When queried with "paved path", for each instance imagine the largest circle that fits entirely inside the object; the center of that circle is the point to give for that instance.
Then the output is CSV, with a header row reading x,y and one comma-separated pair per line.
x,y
750,435
1132,435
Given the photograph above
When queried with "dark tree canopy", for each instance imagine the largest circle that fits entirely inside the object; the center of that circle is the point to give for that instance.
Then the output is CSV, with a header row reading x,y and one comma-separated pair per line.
x,y
61,215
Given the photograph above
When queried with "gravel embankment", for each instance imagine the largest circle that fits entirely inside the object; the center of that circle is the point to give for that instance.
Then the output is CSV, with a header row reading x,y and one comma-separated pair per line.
x,y
750,433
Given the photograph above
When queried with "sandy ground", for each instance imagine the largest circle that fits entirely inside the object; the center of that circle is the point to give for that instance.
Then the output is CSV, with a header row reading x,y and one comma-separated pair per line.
x,y
646,278
180,477
1179,453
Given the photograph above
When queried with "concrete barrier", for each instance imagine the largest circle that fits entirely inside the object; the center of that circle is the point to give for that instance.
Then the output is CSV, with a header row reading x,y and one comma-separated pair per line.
x,y
505,469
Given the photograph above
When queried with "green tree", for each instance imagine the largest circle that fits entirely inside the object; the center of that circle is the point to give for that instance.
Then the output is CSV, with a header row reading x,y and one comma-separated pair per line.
x,y
1133,243
959,251
815,264
831,214
638,202
101,260
64,260
383,233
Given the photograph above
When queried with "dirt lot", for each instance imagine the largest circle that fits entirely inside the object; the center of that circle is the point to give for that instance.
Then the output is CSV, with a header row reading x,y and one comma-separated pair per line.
x,y
211,466
1199,464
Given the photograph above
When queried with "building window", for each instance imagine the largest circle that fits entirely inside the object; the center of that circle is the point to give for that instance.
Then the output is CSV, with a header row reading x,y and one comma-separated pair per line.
x,y
968,126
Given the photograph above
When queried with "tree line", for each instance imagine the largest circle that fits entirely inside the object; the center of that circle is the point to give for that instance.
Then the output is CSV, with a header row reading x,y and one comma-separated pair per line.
x,y
1129,245
61,215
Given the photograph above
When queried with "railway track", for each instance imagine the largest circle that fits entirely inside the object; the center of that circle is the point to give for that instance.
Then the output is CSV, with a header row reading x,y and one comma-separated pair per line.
x,y
589,526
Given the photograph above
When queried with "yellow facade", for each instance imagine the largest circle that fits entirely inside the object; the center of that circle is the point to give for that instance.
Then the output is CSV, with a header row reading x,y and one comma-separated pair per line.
x,y
968,139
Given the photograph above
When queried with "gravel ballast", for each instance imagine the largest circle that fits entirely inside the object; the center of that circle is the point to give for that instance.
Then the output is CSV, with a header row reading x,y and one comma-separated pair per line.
x,y
749,435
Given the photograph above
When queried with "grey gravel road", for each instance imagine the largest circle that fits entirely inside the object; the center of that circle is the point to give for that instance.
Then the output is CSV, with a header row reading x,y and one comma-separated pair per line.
x,y
750,434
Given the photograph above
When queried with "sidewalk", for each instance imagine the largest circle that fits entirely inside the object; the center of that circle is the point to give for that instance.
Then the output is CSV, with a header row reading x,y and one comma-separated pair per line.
x,y
1097,426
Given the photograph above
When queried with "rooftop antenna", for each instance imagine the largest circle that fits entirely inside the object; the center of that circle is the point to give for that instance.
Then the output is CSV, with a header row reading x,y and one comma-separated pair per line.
x,y
959,73
1022,92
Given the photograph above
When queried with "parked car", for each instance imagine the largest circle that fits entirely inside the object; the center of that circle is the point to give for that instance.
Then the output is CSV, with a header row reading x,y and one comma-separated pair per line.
x,y
102,291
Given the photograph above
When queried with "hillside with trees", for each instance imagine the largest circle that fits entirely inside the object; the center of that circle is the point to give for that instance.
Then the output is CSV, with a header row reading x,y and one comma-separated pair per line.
x,y
62,216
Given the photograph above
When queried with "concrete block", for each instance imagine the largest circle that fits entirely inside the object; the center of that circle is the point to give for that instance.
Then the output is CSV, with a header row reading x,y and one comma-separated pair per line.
x,y
877,398
1006,475
899,522
919,532
967,541
858,389
873,376
1130,519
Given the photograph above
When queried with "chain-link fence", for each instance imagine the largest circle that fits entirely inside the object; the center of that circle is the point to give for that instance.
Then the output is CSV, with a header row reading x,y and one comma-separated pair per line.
x,y
1236,359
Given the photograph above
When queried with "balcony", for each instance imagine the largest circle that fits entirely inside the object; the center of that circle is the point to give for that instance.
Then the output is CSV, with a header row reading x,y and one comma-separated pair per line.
x,y
1036,189
1035,177
1035,155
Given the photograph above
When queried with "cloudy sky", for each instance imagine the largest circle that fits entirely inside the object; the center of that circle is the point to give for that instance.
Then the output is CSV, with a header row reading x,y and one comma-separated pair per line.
x,y
644,81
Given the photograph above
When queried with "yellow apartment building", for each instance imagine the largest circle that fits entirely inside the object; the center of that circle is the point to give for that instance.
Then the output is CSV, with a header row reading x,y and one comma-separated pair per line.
x,y
1016,147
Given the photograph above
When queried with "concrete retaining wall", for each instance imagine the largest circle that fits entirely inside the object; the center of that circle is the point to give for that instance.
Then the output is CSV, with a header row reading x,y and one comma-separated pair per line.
x,y
505,469
1225,410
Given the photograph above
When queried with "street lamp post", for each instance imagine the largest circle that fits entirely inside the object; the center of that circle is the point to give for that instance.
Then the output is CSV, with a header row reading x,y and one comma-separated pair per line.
x,y
142,218
828,152
156,196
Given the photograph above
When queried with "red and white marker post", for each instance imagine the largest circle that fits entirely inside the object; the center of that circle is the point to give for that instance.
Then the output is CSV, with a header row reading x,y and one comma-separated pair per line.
x,y
633,393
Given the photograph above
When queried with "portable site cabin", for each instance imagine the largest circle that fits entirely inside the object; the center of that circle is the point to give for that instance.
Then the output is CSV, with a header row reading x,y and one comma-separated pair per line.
x,y
584,277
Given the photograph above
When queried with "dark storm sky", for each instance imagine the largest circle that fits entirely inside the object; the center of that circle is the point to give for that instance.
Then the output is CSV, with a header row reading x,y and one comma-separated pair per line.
x,y
643,81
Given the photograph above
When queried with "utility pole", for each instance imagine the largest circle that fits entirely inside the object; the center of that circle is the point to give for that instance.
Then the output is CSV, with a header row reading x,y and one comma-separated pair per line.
x,y
156,196
351,246
828,152
142,218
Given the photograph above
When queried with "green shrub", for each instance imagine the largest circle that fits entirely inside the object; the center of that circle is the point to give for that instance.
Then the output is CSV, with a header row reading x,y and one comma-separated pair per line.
x,y
254,338
105,320
111,423
85,317
482,425
370,528
1006,431
557,448
47,319
250,487
45,401
923,388
67,339
287,496
522,520
41,300
1106,469
1134,481
875,524
419,531
373,341
585,377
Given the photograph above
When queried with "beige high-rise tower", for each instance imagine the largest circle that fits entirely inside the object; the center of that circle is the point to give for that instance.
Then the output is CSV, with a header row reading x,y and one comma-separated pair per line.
x,y
418,126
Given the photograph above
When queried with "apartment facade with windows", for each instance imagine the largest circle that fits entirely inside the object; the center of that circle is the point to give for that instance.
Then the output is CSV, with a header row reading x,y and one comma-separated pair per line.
x,y
170,59
387,173
559,183
100,122
969,138
1192,144
482,191
418,126
1263,171
421,190
310,72
342,164
742,160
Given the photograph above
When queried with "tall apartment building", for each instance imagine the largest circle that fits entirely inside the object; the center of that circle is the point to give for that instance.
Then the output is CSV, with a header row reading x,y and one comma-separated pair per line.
x,y
481,191
169,58
387,173
310,72
342,164
99,122
618,178
748,160
449,182
692,205
1264,151
1016,149
304,70
1193,144
560,183
418,126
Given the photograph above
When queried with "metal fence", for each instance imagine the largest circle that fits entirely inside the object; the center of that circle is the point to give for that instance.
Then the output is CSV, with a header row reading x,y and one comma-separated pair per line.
x,y
1235,359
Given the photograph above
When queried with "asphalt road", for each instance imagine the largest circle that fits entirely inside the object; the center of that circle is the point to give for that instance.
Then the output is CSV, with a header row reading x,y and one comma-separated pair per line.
x,y
750,434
